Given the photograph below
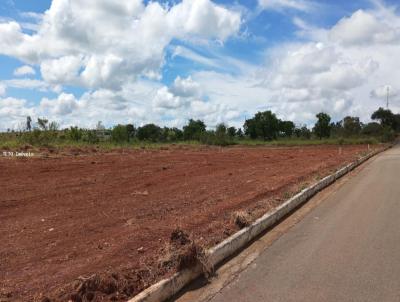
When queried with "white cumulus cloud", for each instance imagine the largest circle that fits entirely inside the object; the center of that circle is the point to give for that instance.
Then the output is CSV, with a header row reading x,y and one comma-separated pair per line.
x,y
63,105
186,87
105,43
117,49
2,89
164,99
365,28
301,5
24,70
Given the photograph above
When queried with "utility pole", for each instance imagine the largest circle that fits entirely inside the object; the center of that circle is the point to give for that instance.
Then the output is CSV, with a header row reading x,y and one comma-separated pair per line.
x,y
387,97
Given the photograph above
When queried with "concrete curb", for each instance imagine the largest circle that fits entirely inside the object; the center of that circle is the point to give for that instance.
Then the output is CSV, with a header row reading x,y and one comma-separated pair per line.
x,y
167,288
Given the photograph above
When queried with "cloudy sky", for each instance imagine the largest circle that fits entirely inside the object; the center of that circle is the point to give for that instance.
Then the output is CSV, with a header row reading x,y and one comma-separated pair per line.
x,y
82,61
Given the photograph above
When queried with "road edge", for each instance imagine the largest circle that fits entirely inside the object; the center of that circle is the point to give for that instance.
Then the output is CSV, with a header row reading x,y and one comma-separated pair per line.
x,y
167,288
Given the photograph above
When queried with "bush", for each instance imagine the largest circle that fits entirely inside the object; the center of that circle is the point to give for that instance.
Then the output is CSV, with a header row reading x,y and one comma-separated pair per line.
x,y
131,130
351,126
388,135
90,136
39,138
75,134
213,138
232,132
149,132
120,134
286,128
372,129
302,132
171,134
194,130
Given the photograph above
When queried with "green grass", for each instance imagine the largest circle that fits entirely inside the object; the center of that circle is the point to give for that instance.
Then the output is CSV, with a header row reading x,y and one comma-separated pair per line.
x,y
310,142
13,141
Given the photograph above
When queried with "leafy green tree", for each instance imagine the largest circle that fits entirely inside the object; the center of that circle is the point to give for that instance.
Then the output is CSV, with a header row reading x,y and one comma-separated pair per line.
x,y
131,131
171,134
372,129
150,132
221,135
286,128
397,122
302,132
385,117
177,133
264,125
221,129
193,130
120,134
250,128
337,129
322,128
305,132
240,133
232,131
351,125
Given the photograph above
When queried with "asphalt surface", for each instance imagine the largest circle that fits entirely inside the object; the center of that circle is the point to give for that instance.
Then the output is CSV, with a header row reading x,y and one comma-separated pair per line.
x,y
346,249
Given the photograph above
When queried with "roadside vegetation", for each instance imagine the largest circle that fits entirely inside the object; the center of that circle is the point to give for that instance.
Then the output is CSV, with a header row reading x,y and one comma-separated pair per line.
x,y
265,128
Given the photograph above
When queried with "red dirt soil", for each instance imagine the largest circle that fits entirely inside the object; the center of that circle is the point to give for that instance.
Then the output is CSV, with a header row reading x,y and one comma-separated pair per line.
x,y
112,214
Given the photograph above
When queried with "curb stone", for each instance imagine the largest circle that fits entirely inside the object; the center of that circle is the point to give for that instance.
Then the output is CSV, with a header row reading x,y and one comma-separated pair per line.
x,y
167,288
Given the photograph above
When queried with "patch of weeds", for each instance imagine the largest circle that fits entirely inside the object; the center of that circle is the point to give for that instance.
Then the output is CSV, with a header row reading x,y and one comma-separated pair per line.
x,y
363,154
287,195
303,186
241,218
182,252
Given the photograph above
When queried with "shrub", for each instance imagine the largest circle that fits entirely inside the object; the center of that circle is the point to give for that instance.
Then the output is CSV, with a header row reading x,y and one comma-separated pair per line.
x,y
171,134
372,129
149,132
351,125
216,139
232,131
193,130
302,132
286,128
39,138
131,130
75,134
91,137
388,135
120,134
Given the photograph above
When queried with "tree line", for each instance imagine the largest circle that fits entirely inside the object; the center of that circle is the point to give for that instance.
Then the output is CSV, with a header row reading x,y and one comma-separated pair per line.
x,y
262,126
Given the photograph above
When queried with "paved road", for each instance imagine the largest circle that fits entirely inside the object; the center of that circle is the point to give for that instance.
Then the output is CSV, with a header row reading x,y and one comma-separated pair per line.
x,y
346,249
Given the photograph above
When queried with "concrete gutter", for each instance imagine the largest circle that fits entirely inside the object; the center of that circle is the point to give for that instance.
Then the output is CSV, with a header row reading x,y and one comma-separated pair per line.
x,y
167,288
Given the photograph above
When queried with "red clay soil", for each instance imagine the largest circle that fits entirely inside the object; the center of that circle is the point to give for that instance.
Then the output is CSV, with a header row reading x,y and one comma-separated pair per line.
x,y
66,219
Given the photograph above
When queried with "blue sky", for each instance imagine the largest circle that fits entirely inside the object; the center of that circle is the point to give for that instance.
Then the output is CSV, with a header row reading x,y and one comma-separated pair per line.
x,y
80,62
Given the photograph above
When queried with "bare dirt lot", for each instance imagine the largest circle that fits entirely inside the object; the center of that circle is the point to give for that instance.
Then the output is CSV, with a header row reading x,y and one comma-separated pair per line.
x,y
101,226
